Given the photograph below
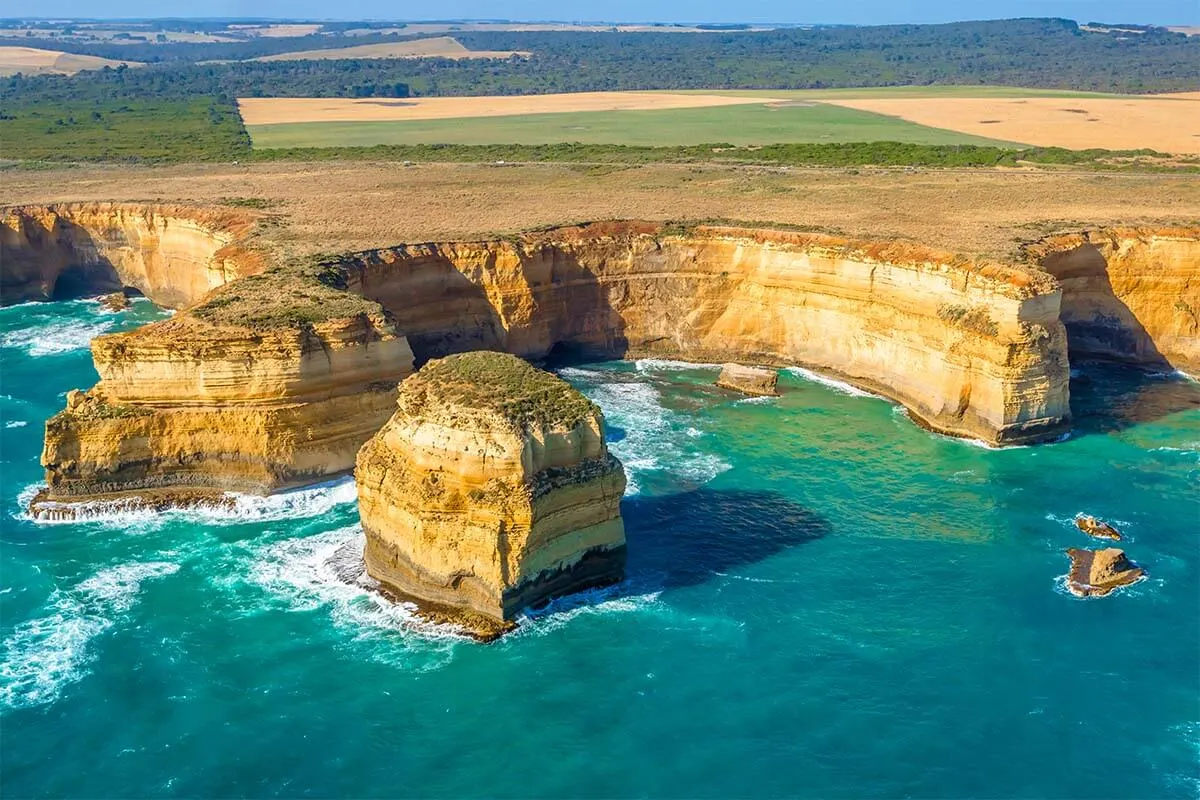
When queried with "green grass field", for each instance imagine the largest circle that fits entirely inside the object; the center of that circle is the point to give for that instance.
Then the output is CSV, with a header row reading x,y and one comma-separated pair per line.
x,y
739,125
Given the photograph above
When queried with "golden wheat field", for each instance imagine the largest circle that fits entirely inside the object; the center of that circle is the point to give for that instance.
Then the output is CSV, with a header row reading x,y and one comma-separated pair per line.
x,y
1167,123
332,206
35,61
439,47
275,110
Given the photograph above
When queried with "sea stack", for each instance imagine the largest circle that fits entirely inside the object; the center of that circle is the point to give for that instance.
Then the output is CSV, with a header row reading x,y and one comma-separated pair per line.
x,y
490,490
1095,573
754,381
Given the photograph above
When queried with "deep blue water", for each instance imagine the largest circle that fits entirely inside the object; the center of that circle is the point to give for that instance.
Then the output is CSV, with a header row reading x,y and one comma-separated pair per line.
x,y
823,600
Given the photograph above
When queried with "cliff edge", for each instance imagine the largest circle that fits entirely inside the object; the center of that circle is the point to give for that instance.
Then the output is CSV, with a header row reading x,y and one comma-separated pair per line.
x,y
276,378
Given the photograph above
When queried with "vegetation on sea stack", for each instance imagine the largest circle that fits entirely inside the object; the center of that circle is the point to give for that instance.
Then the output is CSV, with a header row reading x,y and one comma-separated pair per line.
x,y
520,393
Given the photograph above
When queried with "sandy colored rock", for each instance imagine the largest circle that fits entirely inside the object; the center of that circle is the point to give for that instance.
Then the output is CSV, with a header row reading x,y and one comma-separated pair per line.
x,y
1095,573
185,405
1097,528
754,381
1129,294
173,254
490,490
972,348
117,301
274,377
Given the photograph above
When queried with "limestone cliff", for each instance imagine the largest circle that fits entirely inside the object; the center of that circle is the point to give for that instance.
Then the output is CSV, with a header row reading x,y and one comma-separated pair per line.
x,y
173,254
971,348
277,378
489,490
1129,294
187,403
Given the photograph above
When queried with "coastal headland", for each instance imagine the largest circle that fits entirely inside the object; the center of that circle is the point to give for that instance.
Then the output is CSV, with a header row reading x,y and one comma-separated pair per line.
x,y
276,370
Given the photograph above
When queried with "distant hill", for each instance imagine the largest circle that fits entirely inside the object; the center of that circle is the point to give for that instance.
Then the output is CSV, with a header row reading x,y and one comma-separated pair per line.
x,y
35,61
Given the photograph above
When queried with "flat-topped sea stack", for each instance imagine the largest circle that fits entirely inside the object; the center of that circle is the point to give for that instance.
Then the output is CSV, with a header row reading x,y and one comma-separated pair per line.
x,y
1095,573
259,400
754,381
489,491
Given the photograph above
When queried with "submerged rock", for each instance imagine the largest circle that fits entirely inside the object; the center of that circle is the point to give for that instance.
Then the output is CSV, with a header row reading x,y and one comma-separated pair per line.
x,y
754,381
490,490
1094,527
117,301
1095,573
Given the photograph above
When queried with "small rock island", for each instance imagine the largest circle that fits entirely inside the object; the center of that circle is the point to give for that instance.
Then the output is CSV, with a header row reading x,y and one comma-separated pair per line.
x,y
489,491
754,381
1097,528
1095,573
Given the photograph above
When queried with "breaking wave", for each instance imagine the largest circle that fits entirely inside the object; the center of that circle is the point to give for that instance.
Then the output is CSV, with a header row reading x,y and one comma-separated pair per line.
x,y
325,571
644,365
654,439
233,509
832,383
56,336
43,656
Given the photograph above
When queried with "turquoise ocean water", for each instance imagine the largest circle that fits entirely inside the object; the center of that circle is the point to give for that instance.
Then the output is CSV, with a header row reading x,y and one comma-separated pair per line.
x,y
823,600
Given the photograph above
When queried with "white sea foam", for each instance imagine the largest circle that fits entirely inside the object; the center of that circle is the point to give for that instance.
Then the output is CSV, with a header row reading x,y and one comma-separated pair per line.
x,y
44,655
16,423
311,501
594,602
645,365
1069,522
56,337
655,439
579,373
1060,587
832,383
324,571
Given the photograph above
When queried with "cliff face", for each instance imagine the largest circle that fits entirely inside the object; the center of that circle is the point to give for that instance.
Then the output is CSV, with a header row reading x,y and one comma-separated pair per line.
x,y
276,379
489,490
186,404
173,254
1129,294
973,349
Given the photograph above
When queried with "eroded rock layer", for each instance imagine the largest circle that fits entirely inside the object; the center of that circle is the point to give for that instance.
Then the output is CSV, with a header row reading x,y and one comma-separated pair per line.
x,y
491,489
971,348
1129,294
275,379
184,404
175,255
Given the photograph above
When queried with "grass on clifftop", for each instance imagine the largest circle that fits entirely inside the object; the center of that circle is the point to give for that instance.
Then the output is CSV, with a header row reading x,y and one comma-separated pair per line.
x,y
521,393
281,298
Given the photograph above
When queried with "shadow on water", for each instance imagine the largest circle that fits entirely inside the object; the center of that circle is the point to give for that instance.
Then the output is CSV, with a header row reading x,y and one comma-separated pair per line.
x,y
1108,397
683,539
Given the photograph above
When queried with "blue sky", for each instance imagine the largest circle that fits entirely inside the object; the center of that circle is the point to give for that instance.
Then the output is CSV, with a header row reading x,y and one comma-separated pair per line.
x,y
862,12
